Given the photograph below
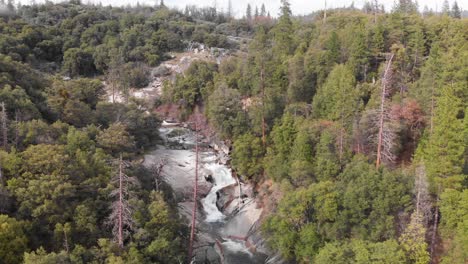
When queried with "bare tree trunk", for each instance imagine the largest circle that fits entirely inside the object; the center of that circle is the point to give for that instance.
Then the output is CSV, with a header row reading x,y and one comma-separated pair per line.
x,y
423,201
157,171
434,227
121,215
4,118
120,228
195,194
262,87
375,8
325,13
382,112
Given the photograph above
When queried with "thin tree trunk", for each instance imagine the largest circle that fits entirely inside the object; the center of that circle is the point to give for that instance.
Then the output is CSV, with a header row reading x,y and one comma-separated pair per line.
x,y
325,13
195,194
382,113
340,154
262,87
120,231
375,11
4,128
434,228
66,240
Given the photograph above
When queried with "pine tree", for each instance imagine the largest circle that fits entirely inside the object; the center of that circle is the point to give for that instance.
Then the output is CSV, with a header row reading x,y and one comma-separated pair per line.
x,y
263,11
455,13
445,147
338,100
446,8
230,12
326,165
413,241
428,85
11,5
248,14
283,31
406,7
333,47
359,58
259,46
256,13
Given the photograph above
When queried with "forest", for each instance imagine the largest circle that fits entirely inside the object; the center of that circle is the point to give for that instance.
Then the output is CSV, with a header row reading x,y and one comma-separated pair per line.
x,y
351,123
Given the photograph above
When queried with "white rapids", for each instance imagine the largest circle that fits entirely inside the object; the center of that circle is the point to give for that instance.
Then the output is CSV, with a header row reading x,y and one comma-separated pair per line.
x,y
222,177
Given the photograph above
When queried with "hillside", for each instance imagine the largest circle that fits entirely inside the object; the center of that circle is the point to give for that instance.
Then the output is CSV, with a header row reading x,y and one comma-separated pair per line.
x,y
347,129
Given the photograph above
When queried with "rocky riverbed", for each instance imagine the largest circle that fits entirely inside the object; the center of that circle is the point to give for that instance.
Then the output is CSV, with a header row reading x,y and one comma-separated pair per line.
x,y
228,215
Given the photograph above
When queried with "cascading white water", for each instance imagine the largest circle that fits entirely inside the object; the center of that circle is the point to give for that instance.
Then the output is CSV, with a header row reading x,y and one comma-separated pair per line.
x,y
222,177
213,227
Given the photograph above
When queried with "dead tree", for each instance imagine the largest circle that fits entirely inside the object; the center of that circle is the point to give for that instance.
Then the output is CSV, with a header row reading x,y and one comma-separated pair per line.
x,y
195,192
375,8
4,120
386,135
158,174
423,200
121,216
325,13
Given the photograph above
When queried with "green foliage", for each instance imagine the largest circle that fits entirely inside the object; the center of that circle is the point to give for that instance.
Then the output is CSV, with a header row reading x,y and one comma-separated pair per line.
x,y
225,111
453,207
337,209
13,239
338,98
278,155
302,158
326,166
359,251
40,256
445,146
283,31
197,83
371,200
305,215
78,62
73,101
247,155
413,241
116,139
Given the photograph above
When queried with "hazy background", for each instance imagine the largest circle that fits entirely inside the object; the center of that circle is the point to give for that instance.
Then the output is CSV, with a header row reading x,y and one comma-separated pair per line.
x,y
299,7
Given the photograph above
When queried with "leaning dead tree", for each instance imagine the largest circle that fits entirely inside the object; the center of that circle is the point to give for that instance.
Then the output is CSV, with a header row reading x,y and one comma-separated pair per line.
x,y
386,136
121,216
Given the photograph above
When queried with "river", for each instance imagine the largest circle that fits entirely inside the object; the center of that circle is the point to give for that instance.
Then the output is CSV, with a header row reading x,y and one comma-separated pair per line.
x,y
223,236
